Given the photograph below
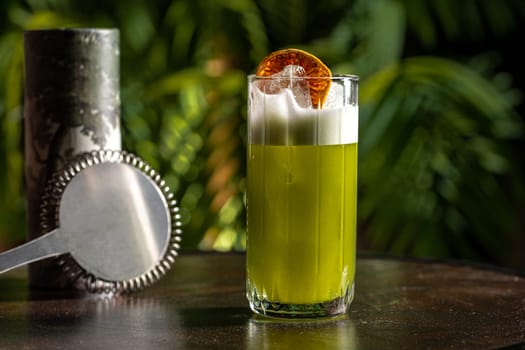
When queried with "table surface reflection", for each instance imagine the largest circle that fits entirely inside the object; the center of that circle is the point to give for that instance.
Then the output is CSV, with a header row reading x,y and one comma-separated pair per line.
x,y
399,304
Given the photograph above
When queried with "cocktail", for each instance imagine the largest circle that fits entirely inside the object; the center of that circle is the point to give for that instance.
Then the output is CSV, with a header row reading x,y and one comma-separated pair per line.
x,y
301,187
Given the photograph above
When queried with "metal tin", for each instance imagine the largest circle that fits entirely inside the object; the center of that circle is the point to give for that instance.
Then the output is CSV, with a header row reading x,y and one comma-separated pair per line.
x,y
72,106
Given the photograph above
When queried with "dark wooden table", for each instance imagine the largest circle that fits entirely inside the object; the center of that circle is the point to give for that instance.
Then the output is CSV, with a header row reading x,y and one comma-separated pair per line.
x,y
399,304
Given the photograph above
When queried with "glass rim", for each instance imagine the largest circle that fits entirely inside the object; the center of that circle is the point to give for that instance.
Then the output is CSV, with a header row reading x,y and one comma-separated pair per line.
x,y
337,77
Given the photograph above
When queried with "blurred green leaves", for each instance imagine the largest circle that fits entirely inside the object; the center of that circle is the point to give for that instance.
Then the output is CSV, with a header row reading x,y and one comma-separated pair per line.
x,y
436,163
470,19
439,174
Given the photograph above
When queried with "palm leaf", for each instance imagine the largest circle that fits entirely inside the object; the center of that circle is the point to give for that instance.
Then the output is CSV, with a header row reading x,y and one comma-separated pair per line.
x,y
439,146
474,20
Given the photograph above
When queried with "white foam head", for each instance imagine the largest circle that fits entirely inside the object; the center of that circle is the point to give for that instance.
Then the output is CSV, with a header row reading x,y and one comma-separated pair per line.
x,y
278,119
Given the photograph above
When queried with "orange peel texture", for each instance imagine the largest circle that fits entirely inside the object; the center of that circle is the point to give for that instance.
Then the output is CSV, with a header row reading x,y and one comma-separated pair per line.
x,y
313,67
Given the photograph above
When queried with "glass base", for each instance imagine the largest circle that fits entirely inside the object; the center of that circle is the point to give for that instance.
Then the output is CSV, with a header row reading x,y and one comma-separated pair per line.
x,y
335,307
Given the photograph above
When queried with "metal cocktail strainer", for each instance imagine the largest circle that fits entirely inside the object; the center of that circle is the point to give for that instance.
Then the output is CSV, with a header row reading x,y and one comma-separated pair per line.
x,y
111,219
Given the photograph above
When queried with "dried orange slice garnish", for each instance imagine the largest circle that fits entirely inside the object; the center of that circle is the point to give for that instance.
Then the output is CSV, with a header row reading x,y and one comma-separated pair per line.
x,y
313,68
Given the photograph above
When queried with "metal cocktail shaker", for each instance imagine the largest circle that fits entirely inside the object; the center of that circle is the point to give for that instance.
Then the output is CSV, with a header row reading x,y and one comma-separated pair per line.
x,y
72,105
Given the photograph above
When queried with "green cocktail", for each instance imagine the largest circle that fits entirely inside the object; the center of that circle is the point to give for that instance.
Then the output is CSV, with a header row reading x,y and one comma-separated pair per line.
x,y
301,198
302,221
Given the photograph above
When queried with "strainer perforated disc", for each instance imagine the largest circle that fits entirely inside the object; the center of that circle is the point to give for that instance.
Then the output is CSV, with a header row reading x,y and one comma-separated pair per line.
x,y
111,219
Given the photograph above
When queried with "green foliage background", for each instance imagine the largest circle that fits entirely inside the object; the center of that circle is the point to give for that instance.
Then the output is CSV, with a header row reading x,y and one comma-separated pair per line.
x,y
441,125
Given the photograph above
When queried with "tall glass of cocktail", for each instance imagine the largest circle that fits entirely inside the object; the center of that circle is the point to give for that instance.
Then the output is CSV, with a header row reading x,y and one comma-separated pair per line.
x,y
301,193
